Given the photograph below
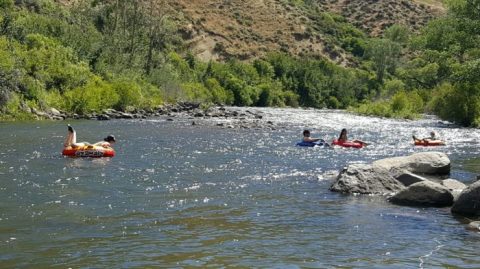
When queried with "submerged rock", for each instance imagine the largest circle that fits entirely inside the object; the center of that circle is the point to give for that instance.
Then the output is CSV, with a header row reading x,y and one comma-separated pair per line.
x,y
424,193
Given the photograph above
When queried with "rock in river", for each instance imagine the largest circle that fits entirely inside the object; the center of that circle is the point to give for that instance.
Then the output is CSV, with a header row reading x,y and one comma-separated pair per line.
x,y
435,163
468,202
366,179
424,193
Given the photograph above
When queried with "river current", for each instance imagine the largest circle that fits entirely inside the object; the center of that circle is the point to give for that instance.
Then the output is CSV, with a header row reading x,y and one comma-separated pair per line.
x,y
179,195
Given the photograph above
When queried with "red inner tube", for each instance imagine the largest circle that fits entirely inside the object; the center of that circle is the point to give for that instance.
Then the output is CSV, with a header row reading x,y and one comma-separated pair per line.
x,y
347,144
88,151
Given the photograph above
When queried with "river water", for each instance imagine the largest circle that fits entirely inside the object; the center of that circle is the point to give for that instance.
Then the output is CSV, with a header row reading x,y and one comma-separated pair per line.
x,y
184,196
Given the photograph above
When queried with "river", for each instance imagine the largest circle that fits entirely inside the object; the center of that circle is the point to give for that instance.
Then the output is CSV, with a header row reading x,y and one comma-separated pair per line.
x,y
179,195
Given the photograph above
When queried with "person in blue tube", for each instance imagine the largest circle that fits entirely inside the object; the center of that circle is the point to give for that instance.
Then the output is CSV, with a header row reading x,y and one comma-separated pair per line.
x,y
308,139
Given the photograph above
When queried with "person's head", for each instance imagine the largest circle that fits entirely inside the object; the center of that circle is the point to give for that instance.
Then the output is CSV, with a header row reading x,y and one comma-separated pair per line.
x,y
306,133
110,139
432,134
343,134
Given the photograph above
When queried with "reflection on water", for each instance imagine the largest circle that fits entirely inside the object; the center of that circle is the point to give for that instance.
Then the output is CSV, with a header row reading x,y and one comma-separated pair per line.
x,y
178,195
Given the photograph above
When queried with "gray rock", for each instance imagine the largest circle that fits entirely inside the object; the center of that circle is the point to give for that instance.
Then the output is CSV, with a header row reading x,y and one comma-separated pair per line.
x,y
57,118
366,179
424,193
474,225
468,202
436,163
54,112
454,186
408,178
125,115
111,112
40,113
103,117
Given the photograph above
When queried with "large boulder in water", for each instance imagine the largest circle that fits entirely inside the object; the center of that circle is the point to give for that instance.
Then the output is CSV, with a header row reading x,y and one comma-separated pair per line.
x,y
468,202
424,193
435,163
366,179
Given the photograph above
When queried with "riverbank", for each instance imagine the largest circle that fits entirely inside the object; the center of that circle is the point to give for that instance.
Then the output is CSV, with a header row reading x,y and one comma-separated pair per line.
x,y
232,117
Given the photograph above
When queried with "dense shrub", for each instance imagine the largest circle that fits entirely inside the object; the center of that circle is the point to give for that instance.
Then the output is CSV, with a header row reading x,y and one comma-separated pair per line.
x,y
401,105
218,94
129,95
93,97
457,103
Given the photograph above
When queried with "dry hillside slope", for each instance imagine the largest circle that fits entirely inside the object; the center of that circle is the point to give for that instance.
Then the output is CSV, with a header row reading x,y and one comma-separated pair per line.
x,y
247,29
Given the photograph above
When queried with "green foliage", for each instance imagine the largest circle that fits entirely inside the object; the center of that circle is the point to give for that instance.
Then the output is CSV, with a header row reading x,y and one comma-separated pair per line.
x,y
418,73
397,33
290,99
271,94
333,102
92,97
402,105
195,91
458,103
129,94
380,108
392,86
264,69
354,45
384,54
447,63
54,64
218,94
15,108
6,4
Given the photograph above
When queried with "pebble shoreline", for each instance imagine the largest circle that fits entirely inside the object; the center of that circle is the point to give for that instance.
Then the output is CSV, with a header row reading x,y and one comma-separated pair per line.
x,y
246,120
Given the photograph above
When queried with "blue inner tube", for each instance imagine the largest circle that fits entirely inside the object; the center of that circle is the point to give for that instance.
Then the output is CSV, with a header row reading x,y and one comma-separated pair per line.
x,y
311,144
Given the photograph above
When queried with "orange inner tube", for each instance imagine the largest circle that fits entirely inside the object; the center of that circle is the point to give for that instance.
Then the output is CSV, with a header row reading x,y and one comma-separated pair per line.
x,y
427,143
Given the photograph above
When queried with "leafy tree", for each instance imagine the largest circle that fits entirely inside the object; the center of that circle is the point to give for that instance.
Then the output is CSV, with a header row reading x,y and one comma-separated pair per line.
x,y
384,54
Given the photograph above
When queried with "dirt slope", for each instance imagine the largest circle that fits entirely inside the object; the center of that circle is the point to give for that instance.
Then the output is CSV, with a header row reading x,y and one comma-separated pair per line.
x,y
247,29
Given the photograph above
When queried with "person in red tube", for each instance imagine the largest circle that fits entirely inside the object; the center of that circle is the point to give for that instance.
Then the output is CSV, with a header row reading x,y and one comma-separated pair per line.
x,y
71,140
343,138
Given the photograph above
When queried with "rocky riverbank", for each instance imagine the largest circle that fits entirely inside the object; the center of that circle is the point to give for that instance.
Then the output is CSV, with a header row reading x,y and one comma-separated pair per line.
x,y
421,179
194,111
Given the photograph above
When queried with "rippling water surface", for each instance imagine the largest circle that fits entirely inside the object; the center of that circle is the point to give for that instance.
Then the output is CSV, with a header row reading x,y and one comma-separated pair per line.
x,y
182,196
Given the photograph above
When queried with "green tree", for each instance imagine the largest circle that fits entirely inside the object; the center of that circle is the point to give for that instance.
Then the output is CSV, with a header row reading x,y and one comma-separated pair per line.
x,y
384,53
